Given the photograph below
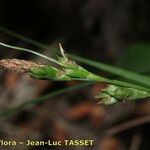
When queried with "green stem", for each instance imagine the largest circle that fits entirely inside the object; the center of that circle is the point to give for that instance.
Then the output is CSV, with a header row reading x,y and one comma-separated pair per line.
x,y
126,84
96,78
138,78
30,51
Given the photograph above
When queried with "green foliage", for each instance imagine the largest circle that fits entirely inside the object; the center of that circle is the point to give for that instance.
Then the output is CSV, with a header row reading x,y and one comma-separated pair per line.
x,y
113,94
69,70
136,58
132,76
45,72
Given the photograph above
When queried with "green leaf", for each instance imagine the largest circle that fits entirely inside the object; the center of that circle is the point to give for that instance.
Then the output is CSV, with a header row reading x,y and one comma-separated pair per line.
x,y
138,78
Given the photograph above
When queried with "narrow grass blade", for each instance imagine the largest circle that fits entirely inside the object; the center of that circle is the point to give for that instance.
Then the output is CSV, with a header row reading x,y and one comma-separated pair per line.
x,y
30,51
38,44
42,99
114,70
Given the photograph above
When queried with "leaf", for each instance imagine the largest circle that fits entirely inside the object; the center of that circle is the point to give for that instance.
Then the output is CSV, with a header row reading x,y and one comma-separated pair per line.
x,y
138,78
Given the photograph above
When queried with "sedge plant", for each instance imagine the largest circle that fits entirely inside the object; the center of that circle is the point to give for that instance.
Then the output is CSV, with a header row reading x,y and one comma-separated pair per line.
x,y
67,70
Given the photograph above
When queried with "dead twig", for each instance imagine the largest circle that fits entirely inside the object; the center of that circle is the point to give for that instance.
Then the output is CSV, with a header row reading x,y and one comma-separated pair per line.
x,y
127,125
136,141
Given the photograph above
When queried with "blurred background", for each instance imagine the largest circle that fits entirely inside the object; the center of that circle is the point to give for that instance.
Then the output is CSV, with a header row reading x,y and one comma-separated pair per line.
x,y
109,31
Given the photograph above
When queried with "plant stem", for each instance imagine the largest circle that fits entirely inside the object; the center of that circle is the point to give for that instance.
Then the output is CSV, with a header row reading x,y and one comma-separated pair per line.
x,y
142,80
42,99
96,78
30,51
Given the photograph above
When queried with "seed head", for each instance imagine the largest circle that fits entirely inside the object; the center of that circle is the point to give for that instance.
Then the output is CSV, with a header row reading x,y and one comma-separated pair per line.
x,y
113,94
18,66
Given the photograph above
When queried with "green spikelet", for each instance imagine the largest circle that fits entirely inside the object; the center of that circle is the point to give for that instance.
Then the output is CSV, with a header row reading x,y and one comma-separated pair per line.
x,y
113,94
48,73
68,71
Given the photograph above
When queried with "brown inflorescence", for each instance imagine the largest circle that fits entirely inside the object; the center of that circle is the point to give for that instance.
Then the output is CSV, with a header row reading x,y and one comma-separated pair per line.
x,y
18,66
